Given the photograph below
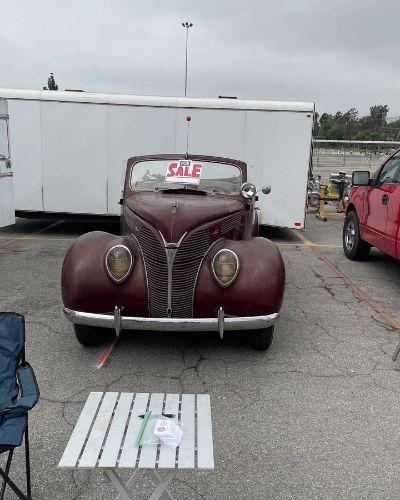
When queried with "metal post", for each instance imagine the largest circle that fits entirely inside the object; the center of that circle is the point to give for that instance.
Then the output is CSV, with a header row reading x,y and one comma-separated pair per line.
x,y
186,25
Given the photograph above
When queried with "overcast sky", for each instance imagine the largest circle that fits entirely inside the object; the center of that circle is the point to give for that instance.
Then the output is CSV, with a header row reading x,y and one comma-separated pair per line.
x,y
338,53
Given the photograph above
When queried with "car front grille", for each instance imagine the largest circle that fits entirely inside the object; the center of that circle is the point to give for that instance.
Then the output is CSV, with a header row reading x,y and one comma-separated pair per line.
x,y
231,223
156,265
184,272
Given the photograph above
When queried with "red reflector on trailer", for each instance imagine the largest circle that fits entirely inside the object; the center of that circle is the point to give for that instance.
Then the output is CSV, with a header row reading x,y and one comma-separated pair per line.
x,y
297,224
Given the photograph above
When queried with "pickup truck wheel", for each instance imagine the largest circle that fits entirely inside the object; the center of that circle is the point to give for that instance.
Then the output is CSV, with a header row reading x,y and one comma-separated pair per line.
x,y
89,336
262,339
354,247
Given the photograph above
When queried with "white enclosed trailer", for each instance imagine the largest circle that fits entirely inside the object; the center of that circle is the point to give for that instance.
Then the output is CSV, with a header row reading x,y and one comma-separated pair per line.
x,y
69,150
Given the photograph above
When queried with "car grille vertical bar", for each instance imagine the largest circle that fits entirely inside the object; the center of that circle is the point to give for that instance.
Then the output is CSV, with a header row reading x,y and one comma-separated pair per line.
x,y
184,272
155,261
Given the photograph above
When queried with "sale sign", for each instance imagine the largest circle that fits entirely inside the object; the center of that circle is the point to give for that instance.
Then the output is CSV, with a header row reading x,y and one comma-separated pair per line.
x,y
184,172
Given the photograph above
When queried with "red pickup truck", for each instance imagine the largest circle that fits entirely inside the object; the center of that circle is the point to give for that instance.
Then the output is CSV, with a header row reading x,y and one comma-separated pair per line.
x,y
373,212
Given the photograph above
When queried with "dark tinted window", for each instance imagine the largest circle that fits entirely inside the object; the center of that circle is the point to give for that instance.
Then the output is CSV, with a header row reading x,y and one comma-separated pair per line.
x,y
389,172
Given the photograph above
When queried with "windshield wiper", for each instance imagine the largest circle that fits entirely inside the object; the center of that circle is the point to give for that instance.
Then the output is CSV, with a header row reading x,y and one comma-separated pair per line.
x,y
184,190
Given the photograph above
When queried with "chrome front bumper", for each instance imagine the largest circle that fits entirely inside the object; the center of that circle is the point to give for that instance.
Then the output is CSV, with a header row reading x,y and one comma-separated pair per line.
x,y
219,324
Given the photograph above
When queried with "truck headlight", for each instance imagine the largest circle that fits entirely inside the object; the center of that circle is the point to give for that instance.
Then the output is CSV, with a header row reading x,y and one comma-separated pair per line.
x,y
118,263
225,267
248,190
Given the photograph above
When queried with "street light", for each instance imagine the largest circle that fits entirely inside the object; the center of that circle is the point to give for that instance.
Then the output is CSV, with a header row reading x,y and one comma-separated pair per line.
x,y
186,25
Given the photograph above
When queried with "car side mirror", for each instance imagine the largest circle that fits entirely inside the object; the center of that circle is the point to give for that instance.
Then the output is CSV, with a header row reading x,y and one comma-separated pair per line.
x,y
266,189
361,178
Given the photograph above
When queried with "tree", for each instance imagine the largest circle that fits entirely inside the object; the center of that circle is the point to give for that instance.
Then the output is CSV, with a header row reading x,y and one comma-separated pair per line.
x,y
316,125
378,115
51,83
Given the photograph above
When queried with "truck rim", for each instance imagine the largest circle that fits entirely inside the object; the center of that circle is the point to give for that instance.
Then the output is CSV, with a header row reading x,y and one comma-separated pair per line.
x,y
350,235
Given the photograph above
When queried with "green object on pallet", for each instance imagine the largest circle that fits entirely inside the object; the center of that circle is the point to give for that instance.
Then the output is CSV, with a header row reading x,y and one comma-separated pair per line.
x,y
139,437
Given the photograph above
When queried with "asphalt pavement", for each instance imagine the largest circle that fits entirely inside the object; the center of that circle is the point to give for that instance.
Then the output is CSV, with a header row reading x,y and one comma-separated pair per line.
x,y
315,417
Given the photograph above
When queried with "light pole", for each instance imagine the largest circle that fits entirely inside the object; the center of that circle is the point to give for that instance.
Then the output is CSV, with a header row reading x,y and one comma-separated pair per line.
x,y
186,25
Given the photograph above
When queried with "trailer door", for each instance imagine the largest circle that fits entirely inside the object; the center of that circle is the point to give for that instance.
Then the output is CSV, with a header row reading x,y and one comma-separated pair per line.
x,y
7,213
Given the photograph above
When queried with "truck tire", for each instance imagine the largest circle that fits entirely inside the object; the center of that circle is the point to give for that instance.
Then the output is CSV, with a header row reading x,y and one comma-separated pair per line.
x,y
262,339
90,336
353,246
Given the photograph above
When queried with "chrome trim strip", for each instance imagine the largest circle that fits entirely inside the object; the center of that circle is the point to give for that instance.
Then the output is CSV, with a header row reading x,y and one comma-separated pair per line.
x,y
170,250
171,324
201,264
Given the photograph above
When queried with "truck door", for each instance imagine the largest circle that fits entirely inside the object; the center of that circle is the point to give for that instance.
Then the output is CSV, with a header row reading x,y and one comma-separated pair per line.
x,y
393,217
7,213
376,203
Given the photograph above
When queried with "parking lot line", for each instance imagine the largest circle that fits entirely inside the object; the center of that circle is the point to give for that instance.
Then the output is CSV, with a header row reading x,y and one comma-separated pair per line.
x,y
106,354
362,295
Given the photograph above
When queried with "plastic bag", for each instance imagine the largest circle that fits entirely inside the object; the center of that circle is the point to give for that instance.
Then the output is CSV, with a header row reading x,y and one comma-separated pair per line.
x,y
157,428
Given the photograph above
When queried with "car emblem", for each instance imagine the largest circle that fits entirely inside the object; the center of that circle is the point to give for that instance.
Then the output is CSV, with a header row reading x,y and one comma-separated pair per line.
x,y
174,207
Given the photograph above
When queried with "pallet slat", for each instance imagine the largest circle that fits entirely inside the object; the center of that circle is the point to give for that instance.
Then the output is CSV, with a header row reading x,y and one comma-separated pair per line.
x,y
205,452
94,443
129,450
82,427
186,447
166,460
113,443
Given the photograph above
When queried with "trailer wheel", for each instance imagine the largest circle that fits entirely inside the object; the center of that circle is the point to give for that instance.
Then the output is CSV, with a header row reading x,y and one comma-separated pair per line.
x,y
262,339
354,247
89,336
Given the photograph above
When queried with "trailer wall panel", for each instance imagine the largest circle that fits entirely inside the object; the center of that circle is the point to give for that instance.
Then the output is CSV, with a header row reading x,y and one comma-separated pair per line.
x,y
26,154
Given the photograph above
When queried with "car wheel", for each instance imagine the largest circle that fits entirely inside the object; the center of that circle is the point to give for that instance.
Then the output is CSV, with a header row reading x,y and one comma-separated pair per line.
x,y
353,246
88,335
262,339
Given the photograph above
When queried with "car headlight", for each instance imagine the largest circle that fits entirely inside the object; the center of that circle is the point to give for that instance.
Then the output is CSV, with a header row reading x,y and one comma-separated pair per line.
x,y
225,267
118,263
248,190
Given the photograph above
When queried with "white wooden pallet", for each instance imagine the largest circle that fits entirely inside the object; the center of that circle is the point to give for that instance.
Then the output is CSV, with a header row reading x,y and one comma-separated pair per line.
x,y
105,434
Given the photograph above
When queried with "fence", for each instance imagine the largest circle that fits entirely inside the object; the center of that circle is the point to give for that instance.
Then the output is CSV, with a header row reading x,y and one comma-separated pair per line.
x,y
347,156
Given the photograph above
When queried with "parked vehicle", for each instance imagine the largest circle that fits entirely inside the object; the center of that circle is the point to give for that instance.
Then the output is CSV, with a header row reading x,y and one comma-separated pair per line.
x,y
63,142
189,257
373,212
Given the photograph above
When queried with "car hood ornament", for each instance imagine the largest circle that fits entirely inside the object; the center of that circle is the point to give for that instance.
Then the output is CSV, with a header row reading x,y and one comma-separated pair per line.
x,y
174,207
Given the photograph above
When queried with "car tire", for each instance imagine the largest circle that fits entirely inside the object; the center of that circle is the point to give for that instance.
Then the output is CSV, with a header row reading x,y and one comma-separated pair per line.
x,y
262,339
354,247
90,336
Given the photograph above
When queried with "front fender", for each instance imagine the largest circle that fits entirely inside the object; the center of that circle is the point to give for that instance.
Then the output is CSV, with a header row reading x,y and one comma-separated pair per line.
x,y
257,290
85,284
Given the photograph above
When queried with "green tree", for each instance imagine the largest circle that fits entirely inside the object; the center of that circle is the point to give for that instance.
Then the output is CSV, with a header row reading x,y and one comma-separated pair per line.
x,y
51,83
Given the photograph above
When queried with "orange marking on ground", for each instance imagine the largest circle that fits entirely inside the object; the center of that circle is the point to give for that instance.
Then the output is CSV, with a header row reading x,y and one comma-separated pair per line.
x,y
374,305
106,354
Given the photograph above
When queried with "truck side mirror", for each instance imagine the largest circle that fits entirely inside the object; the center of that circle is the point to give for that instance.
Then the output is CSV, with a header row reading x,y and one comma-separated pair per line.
x,y
266,189
361,178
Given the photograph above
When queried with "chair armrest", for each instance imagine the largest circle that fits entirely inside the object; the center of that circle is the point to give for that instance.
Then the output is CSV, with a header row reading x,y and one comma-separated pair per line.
x,y
28,385
28,390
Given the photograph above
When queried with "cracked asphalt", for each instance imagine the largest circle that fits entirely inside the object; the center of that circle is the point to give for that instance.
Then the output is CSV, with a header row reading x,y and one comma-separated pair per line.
x,y
316,417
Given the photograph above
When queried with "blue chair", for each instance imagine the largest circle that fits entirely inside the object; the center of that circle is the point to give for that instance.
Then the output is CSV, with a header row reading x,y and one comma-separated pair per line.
x,y
19,393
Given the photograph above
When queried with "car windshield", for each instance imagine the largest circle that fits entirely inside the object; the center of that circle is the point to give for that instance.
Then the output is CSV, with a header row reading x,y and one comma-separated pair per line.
x,y
211,177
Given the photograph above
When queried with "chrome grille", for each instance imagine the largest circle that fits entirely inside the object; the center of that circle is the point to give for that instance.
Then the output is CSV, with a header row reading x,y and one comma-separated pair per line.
x,y
184,272
231,223
157,273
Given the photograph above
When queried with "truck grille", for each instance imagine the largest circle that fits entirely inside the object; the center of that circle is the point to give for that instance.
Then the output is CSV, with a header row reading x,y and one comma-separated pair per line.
x,y
157,273
184,272
231,223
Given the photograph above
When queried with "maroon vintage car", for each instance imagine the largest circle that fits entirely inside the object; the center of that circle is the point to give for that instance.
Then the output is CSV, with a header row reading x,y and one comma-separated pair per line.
x,y
189,257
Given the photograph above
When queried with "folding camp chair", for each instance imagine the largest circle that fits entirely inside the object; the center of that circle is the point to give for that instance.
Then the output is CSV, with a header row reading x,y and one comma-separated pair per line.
x,y
18,394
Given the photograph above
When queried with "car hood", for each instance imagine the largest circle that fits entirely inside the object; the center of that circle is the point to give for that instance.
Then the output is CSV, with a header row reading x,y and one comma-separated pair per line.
x,y
174,214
